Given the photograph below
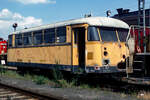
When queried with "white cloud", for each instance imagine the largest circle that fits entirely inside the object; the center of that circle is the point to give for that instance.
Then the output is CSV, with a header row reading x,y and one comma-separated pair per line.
x,y
7,18
5,13
36,1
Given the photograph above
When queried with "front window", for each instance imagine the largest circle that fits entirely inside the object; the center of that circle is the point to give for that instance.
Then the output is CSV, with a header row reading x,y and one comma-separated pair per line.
x,y
108,34
93,34
122,33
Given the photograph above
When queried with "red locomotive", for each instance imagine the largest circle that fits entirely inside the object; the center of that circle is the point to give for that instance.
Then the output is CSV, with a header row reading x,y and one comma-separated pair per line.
x,y
3,51
140,40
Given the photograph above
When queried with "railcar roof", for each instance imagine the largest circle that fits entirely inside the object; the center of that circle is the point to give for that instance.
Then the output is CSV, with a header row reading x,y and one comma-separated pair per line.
x,y
93,21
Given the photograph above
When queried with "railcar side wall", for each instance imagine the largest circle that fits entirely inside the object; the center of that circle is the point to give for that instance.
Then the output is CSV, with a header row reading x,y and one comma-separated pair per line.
x,y
41,55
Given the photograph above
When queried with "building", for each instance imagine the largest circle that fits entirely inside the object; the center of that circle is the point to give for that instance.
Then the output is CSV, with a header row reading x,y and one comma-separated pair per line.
x,y
131,17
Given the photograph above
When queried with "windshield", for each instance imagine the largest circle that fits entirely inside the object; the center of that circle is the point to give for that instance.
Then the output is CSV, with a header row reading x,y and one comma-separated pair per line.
x,y
93,34
122,33
108,34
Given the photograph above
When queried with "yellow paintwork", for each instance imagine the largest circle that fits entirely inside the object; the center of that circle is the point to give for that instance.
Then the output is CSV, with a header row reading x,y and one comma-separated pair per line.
x,y
13,40
95,48
115,53
68,30
43,55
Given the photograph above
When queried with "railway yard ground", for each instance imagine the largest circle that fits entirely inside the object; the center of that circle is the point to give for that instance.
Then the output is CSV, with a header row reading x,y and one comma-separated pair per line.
x,y
61,90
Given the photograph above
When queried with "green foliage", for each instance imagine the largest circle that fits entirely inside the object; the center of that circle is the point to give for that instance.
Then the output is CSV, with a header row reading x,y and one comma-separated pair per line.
x,y
2,70
37,79
84,86
64,84
12,74
40,80
56,73
28,76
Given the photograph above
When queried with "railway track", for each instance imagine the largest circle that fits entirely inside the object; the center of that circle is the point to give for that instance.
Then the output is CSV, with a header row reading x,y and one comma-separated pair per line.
x,y
7,93
13,93
9,68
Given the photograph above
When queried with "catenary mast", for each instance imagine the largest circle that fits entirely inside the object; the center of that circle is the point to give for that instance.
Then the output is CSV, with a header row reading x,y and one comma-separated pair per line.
x,y
141,20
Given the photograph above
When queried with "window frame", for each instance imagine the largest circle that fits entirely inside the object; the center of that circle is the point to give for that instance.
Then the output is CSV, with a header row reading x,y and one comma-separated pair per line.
x,y
121,33
27,35
52,34
17,40
61,38
115,31
36,35
99,38
9,41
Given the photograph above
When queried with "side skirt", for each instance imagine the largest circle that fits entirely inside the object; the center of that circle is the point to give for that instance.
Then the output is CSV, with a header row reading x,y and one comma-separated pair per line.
x,y
74,69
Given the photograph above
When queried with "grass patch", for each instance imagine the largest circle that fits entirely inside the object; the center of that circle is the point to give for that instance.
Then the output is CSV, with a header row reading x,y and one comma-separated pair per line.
x,y
35,78
65,84
57,75
57,81
84,86
40,80
11,74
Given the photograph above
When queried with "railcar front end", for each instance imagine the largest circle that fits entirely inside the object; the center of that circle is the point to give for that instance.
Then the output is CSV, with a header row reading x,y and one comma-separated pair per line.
x,y
106,50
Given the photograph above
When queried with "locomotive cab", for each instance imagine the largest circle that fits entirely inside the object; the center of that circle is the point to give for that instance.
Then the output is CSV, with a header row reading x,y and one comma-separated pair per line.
x,y
106,49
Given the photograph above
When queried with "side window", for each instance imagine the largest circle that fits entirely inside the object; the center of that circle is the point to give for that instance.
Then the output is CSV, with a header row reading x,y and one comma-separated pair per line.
x,y
37,37
10,41
18,40
49,35
61,34
27,39
93,34
76,32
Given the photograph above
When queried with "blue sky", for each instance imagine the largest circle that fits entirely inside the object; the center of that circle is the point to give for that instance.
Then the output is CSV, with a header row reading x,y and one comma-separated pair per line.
x,y
28,13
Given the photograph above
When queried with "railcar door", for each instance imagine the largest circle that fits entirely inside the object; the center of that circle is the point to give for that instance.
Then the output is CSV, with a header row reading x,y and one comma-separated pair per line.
x,y
78,47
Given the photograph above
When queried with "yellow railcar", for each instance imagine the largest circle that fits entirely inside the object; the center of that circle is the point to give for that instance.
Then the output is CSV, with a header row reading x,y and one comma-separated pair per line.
x,y
94,44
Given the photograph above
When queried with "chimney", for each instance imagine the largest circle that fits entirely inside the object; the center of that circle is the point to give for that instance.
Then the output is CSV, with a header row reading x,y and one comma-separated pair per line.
x,y
120,11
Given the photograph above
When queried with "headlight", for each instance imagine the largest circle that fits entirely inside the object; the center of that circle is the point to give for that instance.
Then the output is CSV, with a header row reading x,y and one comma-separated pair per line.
x,y
105,53
106,62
